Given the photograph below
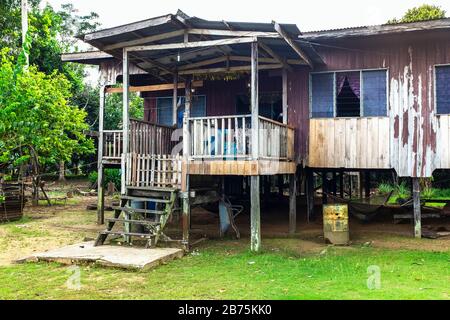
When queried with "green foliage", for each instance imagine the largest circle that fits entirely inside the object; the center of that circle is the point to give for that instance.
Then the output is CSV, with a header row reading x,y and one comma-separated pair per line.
x,y
36,117
385,188
111,175
428,193
114,106
402,191
423,13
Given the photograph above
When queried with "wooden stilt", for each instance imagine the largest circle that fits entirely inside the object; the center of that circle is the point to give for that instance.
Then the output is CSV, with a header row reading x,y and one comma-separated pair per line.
x,y
324,187
341,184
334,185
100,177
309,194
255,214
367,184
417,208
292,204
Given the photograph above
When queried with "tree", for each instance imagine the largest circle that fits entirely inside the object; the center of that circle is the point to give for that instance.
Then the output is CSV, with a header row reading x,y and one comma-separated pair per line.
x,y
38,125
423,13
51,33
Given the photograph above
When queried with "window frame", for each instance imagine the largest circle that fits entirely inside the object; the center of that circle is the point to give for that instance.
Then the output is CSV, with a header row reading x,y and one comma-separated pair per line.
x,y
361,114
435,88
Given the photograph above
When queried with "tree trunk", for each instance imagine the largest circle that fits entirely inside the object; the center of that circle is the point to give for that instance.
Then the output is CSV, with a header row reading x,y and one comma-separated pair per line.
x,y
62,171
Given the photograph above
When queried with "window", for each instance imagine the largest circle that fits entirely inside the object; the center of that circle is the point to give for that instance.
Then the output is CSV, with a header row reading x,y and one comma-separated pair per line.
x,y
165,105
322,95
349,94
442,89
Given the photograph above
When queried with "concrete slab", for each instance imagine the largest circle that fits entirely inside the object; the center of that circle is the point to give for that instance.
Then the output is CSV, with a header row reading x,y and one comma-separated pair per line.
x,y
110,256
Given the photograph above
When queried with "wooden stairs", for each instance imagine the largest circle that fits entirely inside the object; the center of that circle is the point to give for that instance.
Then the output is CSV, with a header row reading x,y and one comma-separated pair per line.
x,y
145,210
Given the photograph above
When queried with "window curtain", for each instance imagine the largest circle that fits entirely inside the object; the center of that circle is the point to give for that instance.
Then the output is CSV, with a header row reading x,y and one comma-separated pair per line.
x,y
353,79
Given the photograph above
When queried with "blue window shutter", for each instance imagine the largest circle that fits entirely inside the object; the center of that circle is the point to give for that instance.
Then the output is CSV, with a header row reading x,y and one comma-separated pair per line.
x,y
322,95
374,93
165,105
443,89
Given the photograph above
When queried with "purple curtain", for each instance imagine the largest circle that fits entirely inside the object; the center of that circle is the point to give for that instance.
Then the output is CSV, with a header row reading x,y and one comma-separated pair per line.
x,y
353,79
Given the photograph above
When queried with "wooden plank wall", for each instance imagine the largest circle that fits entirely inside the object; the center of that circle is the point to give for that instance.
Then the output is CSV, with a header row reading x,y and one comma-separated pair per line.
x,y
443,142
349,142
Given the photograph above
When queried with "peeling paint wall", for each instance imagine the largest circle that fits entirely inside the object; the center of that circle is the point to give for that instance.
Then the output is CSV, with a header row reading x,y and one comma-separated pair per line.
x,y
414,126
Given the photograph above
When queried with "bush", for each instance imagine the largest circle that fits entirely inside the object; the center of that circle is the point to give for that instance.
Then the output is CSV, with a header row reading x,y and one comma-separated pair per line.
x,y
385,188
428,193
111,175
402,191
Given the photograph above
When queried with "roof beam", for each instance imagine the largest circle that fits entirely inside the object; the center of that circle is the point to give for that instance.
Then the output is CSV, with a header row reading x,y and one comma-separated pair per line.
x,y
274,55
155,87
231,69
293,45
128,28
231,33
144,40
189,45
89,55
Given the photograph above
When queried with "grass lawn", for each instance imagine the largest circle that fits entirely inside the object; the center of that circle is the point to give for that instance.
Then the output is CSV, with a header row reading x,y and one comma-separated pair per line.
x,y
224,269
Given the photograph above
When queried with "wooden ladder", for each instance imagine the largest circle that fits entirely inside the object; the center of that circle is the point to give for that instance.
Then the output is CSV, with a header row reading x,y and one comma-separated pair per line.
x,y
153,221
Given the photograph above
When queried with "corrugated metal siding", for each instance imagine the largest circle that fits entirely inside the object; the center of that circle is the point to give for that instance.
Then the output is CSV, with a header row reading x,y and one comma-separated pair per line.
x,y
413,122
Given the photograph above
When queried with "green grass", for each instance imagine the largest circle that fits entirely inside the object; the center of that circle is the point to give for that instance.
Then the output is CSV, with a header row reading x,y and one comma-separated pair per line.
x,y
227,270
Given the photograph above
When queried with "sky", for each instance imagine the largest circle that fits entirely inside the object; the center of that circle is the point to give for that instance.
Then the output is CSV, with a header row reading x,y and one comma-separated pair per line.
x,y
308,15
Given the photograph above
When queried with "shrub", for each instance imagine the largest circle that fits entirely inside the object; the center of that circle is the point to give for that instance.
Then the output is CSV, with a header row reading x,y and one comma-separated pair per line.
x,y
111,175
428,193
385,188
402,191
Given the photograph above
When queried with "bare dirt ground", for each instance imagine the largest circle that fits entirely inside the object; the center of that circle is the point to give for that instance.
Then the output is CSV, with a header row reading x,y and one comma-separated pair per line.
x,y
44,228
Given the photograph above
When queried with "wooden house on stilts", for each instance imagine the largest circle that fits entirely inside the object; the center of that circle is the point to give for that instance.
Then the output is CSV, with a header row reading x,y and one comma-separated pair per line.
x,y
231,99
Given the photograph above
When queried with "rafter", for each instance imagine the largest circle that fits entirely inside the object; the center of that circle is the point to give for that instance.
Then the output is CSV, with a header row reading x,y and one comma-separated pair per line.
x,y
274,55
190,45
292,44
144,40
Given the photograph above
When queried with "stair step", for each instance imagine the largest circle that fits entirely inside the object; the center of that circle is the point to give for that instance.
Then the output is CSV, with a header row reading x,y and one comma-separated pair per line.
x,y
133,210
131,234
145,199
141,222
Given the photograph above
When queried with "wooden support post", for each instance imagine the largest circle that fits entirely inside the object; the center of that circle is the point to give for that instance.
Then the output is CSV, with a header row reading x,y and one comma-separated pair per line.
x,y
186,215
309,194
341,184
125,116
100,178
175,99
417,208
334,185
367,184
324,187
292,204
361,184
255,242
255,102
285,95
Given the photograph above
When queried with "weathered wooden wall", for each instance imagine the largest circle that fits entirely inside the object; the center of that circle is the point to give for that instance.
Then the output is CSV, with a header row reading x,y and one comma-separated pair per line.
x,y
355,143
413,124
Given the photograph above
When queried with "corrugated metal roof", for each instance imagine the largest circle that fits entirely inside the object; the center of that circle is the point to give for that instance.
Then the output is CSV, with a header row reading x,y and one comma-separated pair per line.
x,y
370,30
